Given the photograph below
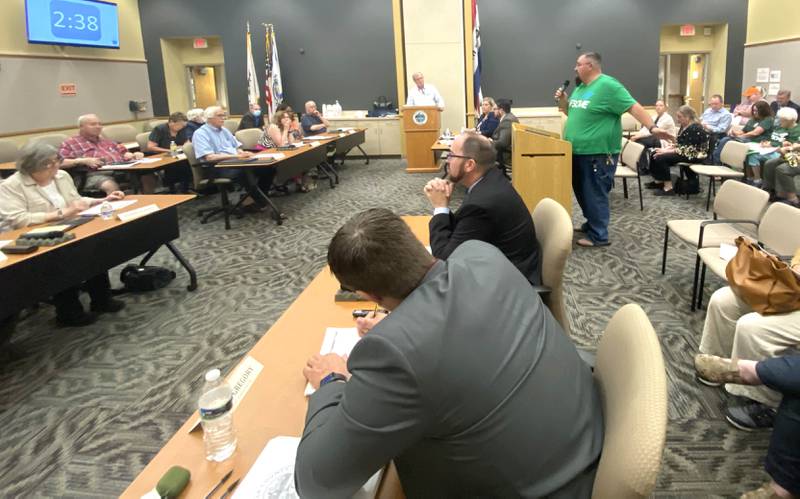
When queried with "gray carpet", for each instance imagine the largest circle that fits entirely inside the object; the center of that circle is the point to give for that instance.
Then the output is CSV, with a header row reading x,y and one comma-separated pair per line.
x,y
85,409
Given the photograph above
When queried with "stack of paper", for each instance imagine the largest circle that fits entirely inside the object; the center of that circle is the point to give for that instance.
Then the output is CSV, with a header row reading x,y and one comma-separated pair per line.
x,y
94,211
338,340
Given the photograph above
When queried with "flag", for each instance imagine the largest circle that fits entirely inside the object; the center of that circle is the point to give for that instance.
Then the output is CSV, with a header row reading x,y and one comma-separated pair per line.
x,y
273,89
253,92
476,57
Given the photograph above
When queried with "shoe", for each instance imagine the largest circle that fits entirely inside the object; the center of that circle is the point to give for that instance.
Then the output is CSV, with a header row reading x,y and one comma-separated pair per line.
x,y
580,229
111,305
706,382
758,183
662,192
750,416
714,371
77,320
588,243
654,185
764,492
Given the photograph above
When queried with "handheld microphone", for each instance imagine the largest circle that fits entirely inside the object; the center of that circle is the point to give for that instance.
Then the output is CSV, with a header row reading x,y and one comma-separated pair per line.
x,y
564,87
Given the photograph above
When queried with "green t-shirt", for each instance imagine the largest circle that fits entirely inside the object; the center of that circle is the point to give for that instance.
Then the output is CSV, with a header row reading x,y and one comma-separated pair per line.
x,y
780,135
766,124
593,123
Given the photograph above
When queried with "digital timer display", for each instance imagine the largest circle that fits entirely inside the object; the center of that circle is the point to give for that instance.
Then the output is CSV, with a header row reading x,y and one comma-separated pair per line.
x,y
73,22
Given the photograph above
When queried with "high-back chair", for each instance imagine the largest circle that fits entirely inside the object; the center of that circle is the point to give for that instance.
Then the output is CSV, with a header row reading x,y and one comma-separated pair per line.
x,y
53,139
629,124
554,233
8,150
203,183
152,124
779,232
249,137
121,134
628,167
732,157
142,139
630,376
231,124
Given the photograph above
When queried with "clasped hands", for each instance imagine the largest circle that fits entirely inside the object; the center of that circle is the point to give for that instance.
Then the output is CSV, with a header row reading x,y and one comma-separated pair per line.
x,y
438,192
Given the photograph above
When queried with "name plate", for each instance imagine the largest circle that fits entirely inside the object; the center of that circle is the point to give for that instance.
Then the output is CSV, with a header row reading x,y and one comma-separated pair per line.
x,y
342,134
138,212
314,144
241,380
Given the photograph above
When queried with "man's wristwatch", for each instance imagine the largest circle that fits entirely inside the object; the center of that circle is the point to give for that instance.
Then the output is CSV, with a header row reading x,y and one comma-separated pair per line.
x,y
331,378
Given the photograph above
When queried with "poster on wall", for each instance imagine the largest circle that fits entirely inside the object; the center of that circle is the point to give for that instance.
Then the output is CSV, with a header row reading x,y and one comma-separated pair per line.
x,y
775,76
773,89
762,75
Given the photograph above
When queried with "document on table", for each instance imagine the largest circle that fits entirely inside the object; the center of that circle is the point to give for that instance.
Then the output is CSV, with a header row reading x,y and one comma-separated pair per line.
x,y
3,255
145,161
94,211
759,149
338,340
272,475
121,165
273,155
316,137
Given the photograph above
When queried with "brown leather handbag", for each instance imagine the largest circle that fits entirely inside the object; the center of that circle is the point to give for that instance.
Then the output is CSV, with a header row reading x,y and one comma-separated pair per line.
x,y
762,280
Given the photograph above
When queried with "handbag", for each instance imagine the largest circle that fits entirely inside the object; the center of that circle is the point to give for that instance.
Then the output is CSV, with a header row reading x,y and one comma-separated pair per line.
x,y
138,278
762,280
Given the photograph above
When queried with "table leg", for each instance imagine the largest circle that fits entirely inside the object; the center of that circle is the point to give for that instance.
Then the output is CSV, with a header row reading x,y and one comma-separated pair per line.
x,y
366,158
185,264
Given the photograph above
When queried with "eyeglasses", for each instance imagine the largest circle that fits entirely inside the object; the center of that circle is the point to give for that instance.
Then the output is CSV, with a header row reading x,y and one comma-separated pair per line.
x,y
452,155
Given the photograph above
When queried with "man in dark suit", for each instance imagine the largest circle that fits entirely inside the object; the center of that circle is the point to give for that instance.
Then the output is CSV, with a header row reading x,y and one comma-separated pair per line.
x,y
252,119
502,134
492,210
467,399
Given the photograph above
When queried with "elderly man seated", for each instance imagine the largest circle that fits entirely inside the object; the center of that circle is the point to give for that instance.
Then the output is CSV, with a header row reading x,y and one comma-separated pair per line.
x,y
784,99
88,149
312,121
214,143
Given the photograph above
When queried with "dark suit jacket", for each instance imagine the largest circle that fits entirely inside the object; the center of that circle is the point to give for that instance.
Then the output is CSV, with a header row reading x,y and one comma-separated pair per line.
x,y
250,120
502,138
470,385
495,213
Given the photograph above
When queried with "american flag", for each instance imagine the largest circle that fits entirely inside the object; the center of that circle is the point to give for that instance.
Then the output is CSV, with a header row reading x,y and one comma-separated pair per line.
x,y
273,89
476,57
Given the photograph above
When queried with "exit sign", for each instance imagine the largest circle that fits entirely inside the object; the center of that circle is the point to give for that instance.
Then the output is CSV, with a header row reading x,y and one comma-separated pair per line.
x,y
687,30
200,43
67,89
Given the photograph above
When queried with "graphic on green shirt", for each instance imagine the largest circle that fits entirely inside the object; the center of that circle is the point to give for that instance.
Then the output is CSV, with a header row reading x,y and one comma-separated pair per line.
x,y
781,135
766,124
594,125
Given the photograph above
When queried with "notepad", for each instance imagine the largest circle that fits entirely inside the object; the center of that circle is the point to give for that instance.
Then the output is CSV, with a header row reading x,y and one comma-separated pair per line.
x,y
94,211
316,137
270,155
149,160
338,340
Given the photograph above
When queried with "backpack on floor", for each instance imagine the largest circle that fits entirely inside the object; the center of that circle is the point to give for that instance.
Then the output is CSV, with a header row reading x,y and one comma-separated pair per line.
x,y
139,278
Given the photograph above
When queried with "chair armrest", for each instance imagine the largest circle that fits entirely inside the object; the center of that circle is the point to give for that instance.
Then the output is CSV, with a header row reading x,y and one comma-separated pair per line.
x,y
715,222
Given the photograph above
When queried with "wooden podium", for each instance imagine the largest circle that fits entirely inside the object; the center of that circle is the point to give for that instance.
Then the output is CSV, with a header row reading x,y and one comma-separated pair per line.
x,y
421,126
542,166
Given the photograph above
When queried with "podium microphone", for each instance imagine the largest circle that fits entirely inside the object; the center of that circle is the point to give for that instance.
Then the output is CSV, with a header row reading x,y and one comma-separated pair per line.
x,y
564,87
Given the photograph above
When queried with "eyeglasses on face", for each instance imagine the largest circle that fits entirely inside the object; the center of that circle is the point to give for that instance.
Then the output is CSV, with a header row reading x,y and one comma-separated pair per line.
x,y
453,155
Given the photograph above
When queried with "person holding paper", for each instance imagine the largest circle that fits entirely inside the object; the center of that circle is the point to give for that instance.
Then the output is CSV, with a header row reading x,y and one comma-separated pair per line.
x,y
786,133
41,192
468,399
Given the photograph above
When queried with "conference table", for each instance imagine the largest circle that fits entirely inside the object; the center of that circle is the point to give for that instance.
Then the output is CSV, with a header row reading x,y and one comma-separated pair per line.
x,y
98,246
275,404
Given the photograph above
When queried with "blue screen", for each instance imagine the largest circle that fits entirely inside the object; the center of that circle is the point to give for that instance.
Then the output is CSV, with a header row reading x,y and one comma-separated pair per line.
x,y
73,22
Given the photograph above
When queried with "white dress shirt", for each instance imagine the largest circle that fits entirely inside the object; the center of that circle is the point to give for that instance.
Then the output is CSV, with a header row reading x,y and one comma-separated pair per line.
x,y
425,96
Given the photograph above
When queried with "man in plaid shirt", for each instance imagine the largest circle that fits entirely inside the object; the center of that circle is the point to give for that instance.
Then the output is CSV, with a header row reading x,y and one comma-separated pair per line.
x,y
90,150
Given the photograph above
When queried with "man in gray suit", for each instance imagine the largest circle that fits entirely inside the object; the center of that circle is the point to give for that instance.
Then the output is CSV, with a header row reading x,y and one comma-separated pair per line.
x,y
502,134
469,384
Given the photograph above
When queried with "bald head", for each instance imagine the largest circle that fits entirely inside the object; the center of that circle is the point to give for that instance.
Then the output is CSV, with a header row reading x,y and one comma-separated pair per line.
x,y
89,125
311,107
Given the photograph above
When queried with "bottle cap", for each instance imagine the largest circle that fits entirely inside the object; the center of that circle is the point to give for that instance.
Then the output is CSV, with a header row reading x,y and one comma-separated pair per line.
x,y
212,375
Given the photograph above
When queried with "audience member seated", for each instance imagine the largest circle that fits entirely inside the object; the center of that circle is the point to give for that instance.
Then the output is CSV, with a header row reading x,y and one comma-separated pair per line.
x,y
177,176
297,128
716,120
196,119
780,173
783,135
784,99
663,121
782,375
733,329
487,121
214,143
757,129
89,150
313,122
744,111
252,118
492,210
691,147
502,134
466,399
283,132
39,192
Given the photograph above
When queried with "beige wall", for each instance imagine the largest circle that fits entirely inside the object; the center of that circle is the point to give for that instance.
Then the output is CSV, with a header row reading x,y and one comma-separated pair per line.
x,y
178,53
716,45
14,39
772,20
434,45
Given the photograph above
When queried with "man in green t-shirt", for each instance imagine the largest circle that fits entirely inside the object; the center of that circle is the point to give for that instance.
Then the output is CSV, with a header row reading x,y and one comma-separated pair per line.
x,y
594,128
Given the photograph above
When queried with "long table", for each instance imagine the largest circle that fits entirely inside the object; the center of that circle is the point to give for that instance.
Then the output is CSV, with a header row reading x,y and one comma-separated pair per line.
x,y
275,404
98,246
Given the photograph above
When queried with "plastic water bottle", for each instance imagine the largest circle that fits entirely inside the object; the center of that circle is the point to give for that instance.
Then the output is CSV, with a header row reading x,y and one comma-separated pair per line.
x,y
106,211
216,406
338,109
173,148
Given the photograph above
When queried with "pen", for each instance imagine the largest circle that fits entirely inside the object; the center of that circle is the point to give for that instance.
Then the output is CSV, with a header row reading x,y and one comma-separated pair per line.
x,y
230,489
375,312
218,485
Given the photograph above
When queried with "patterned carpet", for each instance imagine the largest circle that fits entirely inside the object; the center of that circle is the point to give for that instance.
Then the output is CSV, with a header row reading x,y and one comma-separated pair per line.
x,y
86,409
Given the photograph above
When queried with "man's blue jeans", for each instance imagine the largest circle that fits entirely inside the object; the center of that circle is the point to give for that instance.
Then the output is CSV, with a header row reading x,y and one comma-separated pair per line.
x,y
592,180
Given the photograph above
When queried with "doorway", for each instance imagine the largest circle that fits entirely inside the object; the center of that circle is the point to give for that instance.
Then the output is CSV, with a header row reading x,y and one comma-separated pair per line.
x,y
683,79
202,86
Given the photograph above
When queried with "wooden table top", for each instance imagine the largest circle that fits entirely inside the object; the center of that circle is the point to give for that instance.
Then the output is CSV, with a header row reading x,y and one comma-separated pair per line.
x,y
97,225
441,145
163,160
275,404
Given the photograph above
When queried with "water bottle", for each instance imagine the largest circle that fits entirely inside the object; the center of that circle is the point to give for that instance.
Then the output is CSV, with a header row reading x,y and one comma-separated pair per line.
x,y
216,406
106,211
173,148
338,109
447,133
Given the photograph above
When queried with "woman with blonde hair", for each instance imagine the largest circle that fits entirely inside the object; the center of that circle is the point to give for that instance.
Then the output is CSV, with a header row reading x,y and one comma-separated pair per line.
x,y
691,146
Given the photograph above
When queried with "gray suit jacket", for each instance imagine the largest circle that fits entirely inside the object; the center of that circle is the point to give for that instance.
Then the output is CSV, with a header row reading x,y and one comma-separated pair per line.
x,y
470,385
502,138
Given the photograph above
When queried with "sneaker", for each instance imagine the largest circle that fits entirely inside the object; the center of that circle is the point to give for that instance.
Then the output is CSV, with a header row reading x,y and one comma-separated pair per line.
x,y
654,185
111,305
764,492
706,382
76,320
750,416
662,192
715,371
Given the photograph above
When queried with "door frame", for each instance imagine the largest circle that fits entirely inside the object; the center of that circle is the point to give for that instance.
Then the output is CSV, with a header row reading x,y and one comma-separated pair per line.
x,y
685,91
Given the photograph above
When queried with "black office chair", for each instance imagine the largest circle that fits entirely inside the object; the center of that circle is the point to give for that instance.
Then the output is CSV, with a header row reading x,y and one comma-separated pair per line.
x,y
204,183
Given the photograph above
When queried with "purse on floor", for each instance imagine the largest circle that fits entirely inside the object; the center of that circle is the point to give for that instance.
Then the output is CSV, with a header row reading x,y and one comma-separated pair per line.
x,y
762,280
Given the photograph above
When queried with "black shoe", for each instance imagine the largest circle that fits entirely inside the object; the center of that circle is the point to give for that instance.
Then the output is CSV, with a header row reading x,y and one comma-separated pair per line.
x,y
111,305
662,192
750,416
77,320
654,185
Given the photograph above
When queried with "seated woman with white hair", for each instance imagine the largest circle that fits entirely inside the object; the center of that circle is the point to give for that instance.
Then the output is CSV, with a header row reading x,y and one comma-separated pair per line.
x,y
784,135
783,165
196,119
40,192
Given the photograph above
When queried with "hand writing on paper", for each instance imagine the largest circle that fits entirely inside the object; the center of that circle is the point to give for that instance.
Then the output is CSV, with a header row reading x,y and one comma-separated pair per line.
x,y
365,324
320,366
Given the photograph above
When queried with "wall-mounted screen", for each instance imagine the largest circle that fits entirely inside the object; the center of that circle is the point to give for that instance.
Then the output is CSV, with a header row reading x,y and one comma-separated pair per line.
x,y
89,23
